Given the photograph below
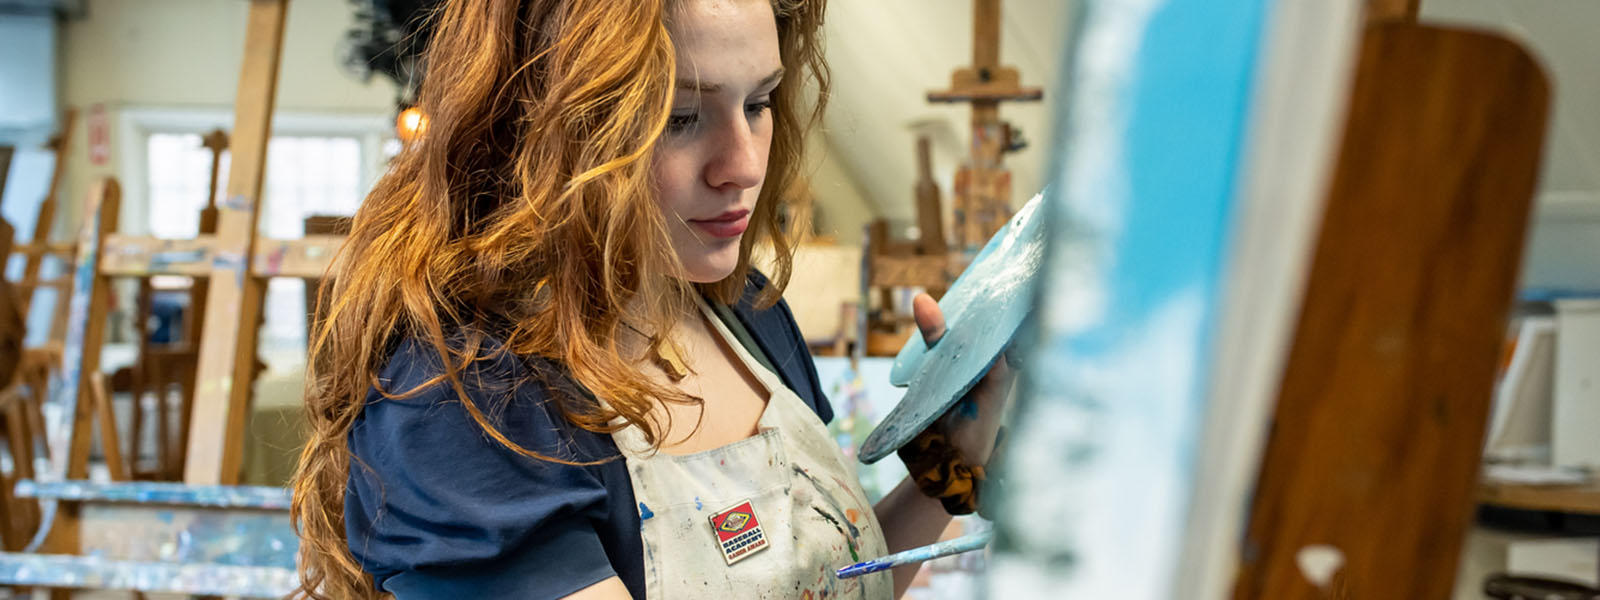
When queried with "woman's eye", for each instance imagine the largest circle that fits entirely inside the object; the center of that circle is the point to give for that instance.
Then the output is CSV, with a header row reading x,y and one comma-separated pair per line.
x,y
681,123
756,108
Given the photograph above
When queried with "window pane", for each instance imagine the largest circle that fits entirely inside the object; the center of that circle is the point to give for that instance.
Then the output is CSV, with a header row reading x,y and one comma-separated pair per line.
x,y
179,173
305,176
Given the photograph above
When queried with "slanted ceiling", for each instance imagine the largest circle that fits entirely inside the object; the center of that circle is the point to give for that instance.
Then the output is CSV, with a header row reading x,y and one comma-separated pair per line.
x,y
886,54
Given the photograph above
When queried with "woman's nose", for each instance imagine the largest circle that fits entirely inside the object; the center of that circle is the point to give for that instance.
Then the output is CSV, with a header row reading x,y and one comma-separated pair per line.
x,y
740,160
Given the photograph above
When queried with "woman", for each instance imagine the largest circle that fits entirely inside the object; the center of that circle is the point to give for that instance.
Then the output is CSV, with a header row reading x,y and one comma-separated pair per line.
x,y
547,368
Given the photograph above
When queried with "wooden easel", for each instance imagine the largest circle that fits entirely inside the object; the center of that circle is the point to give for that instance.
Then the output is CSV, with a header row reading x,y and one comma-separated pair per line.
x,y
983,185
19,382
96,518
161,369
1376,443
11,319
924,262
23,376
6,152
40,245
982,200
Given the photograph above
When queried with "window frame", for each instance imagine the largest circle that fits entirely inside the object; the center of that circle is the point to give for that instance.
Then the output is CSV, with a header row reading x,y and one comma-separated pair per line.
x,y
137,123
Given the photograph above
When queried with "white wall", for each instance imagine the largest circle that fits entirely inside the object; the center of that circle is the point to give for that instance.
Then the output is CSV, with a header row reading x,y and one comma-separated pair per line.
x,y
27,78
185,54
842,209
27,113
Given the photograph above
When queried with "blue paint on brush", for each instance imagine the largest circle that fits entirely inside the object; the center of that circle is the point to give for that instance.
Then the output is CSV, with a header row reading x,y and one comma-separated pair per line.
x,y
916,555
644,512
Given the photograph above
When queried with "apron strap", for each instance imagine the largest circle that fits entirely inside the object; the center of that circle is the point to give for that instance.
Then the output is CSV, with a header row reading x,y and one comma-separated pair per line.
x,y
736,327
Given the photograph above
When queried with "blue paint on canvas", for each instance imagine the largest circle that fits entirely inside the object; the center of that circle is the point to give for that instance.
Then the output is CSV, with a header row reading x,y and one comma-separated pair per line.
x,y
1154,123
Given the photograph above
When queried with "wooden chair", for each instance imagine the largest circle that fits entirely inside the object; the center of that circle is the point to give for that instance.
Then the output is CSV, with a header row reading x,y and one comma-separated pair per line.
x,y
925,262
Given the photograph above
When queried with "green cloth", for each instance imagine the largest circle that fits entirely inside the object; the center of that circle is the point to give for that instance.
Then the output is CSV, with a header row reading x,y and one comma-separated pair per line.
x,y
735,327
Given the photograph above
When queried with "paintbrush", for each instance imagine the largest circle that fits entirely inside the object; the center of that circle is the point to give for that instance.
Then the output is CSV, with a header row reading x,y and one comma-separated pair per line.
x,y
916,555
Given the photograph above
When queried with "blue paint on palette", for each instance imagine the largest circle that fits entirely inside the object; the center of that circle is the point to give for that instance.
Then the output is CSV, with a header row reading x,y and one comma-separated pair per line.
x,y
644,512
955,301
983,312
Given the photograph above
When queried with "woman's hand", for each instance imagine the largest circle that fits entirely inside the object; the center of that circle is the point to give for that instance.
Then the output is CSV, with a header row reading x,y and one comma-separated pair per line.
x,y
973,421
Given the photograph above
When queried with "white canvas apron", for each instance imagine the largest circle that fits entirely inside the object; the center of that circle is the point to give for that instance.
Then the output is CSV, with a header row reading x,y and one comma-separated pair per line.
x,y
770,516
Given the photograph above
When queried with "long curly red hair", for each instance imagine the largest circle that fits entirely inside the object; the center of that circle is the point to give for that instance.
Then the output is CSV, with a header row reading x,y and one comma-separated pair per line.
x,y
525,212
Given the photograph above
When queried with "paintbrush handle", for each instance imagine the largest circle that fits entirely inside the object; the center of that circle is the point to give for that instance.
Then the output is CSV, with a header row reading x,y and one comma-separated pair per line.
x,y
916,555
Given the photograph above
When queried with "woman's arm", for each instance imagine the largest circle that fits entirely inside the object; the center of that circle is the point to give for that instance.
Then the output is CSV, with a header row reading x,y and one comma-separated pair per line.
x,y
610,588
909,518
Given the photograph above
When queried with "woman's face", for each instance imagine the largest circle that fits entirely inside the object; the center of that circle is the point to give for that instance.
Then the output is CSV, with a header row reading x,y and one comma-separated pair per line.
x,y
712,158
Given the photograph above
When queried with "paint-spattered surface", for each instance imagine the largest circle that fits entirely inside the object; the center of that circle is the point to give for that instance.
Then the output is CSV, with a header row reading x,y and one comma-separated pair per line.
x,y
79,349
699,512
241,538
51,570
983,311
158,492
973,286
1100,467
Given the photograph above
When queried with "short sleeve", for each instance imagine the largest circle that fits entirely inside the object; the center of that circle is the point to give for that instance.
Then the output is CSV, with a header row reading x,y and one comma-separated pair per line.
x,y
436,508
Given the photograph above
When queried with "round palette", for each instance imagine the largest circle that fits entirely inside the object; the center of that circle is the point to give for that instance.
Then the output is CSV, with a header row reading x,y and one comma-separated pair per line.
x,y
983,310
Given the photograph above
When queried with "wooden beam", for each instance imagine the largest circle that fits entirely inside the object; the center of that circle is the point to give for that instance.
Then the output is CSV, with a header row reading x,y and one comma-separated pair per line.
x,y
985,34
84,337
110,441
143,256
61,146
910,271
1374,450
233,302
6,152
216,142
12,330
930,211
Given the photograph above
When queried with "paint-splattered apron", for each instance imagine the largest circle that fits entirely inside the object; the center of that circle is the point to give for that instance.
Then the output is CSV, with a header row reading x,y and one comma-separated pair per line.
x,y
770,516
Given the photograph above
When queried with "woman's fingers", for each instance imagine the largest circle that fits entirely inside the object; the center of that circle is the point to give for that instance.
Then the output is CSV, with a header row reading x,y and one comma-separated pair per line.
x,y
930,320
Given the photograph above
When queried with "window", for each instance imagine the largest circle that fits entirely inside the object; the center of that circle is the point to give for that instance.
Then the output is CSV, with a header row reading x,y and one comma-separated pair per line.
x,y
314,167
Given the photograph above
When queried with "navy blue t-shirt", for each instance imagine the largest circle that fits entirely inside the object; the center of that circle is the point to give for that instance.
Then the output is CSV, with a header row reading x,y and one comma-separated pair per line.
x,y
437,509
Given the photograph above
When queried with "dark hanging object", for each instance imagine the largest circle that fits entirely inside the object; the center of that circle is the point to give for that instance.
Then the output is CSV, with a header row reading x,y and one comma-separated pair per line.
x,y
387,38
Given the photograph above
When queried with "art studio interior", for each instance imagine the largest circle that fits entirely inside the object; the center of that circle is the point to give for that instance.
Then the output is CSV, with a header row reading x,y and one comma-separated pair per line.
x,y
924,299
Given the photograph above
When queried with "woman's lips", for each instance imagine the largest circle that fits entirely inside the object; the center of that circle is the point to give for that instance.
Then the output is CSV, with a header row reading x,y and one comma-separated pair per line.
x,y
730,224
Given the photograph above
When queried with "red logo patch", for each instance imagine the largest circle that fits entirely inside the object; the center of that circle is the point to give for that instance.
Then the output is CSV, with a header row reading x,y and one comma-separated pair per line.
x,y
739,533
